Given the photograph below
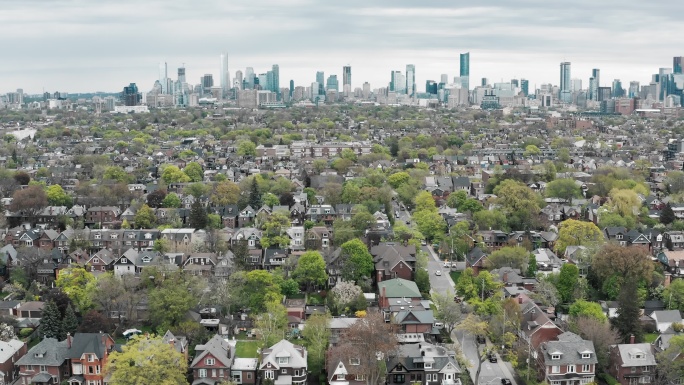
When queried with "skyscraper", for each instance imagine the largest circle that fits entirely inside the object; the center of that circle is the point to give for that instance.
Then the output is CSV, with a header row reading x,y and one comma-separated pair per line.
x,y
181,75
594,84
346,75
677,64
565,86
465,70
410,80
249,78
163,77
224,76
320,79
292,87
275,85
130,95
525,86
238,80
618,91
332,83
633,89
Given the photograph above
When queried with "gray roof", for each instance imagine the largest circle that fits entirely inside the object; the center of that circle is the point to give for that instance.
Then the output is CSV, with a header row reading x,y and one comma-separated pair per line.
x,y
570,346
87,343
53,353
667,316
636,354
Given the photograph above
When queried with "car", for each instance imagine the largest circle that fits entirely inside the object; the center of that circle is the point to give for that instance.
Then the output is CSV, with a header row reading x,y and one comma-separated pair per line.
x,y
439,324
423,242
492,357
505,381
438,272
480,339
454,265
446,264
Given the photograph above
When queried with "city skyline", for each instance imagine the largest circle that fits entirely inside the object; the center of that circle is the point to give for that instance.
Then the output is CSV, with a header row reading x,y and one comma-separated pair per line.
x,y
81,46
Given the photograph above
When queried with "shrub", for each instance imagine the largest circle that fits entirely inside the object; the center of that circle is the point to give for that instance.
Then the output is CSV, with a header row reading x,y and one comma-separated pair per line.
x,y
25,332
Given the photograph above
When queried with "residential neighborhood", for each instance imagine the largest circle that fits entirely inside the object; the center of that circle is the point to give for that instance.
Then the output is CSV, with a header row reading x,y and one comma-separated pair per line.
x,y
342,245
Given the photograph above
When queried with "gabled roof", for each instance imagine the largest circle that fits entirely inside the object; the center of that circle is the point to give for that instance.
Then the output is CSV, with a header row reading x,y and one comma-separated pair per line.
x,y
570,346
48,352
87,343
636,354
398,288
217,347
297,355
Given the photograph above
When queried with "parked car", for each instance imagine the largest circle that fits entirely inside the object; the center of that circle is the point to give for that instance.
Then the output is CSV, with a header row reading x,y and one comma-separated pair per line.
x,y
480,339
438,272
492,357
505,381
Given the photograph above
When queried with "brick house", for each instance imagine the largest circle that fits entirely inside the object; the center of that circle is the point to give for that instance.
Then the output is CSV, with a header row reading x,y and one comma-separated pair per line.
x,y
632,364
212,361
46,363
423,363
88,354
103,215
284,363
393,261
570,360
10,352
244,370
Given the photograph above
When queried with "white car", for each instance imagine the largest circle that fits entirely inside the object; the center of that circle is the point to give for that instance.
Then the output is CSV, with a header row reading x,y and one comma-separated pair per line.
x,y
438,272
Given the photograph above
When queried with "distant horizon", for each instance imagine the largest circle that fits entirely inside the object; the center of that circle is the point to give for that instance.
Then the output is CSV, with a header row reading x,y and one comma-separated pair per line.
x,y
77,45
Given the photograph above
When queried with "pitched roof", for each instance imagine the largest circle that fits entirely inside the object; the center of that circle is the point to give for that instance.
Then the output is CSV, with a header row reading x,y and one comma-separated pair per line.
x,y
90,343
297,355
48,352
570,347
636,354
399,287
217,347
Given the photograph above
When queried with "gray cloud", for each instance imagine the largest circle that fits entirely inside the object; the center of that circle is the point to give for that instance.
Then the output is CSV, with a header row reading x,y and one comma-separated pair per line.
x,y
81,45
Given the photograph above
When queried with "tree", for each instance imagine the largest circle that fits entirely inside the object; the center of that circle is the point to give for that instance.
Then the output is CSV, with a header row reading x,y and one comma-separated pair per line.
x,y
316,336
147,360
456,199
270,200
546,293
246,148
531,266
674,295
170,302
518,202
515,257
171,201
271,325
51,322
254,195
582,308
491,219
531,150
667,215
342,296
94,322
577,233
473,325
563,188
70,322
430,223
448,311
275,231
117,174
424,202
629,263
358,262
30,201
310,270
156,198
144,218
173,174
422,279
22,178
627,322
56,196
197,190
670,366
399,178
567,279
198,216
600,333
194,171
368,341
77,283
225,193
260,288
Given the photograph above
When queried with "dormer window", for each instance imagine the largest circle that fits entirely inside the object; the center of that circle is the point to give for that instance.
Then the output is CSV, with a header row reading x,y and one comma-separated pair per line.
x,y
428,365
283,360
555,356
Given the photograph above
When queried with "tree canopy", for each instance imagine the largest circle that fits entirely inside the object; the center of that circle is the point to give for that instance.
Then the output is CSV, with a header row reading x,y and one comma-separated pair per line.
x,y
147,360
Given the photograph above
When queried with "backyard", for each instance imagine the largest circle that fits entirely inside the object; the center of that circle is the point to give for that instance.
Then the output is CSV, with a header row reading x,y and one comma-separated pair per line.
x,y
247,349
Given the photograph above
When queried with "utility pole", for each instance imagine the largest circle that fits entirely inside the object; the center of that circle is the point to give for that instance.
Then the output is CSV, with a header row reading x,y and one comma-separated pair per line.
x,y
482,291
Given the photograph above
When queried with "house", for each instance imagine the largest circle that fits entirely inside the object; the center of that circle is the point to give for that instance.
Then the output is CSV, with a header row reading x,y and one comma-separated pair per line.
x,y
318,238
10,352
397,288
284,363
423,363
212,361
249,234
665,318
413,320
200,264
393,261
31,309
536,326
101,261
244,370
45,364
179,343
568,361
88,353
632,364
102,215
476,259
338,374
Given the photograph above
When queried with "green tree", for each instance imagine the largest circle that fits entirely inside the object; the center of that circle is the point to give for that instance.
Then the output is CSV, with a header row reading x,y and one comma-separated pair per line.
x,y
56,196
567,279
515,257
667,215
146,360
51,322
116,173
170,302
491,219
316,335
145,218
430,223
674,295
424,202
197,190
246,148
194,171
518,202
448,311
578,233
563,188
70,322
173,174
399,178
358,262
627,322
456,199
310,270
532,266
77,283
582,308
198,216
162,245
171,201
531,150
422,279
225,193
670,366
275,231
254,195
271,324
260,288
270,200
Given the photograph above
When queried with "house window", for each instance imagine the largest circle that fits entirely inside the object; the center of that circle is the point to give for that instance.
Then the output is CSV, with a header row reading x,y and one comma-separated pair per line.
x,y
555,369
586,368
283,371
645,369
633,369
571,368
210,361
355,361
249,376
555,356
202,373
269,374
359,377
124,260
340,377
91,358
296,373
428,365
586,355
645,380
399,378
283,360
96,260
43,368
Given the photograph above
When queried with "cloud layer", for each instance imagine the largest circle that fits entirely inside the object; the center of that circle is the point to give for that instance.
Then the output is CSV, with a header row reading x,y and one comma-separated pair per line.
x,y
83,45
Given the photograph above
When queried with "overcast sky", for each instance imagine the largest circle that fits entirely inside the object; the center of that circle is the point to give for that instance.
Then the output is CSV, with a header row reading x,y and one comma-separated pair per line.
x,y
88,45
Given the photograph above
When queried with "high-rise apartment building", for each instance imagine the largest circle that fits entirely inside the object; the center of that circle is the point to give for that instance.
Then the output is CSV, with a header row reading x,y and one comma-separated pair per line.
x,y
444,78
346,76
431,87
224,76
677,62
618,91
275,80
130,95
181,75
332,83
594,84
292,87
410,80
249,78
525,86
633,89
565,91
465,70
366,90
164,77
320,79
238,80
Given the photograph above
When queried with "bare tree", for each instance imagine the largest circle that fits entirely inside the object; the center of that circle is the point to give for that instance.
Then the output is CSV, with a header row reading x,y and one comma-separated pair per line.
x,y
448,311
368,342
29,201
29,259
600,333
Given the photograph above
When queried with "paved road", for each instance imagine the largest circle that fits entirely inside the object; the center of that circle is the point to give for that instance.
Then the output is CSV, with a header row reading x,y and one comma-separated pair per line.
x,y
439,283
491,373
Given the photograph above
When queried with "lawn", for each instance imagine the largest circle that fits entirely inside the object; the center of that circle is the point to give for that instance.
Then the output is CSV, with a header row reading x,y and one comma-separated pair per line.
x,y
246,349
314,299
454,275
650,337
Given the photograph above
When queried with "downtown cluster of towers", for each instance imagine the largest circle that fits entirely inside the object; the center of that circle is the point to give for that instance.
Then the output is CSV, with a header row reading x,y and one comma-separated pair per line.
x,y
270,81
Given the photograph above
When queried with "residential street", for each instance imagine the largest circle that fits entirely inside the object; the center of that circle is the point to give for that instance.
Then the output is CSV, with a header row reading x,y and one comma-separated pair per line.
x,y
439,283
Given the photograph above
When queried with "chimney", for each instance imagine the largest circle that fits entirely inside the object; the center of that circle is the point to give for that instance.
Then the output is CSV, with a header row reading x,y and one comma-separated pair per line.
x,y
631,339
69,340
